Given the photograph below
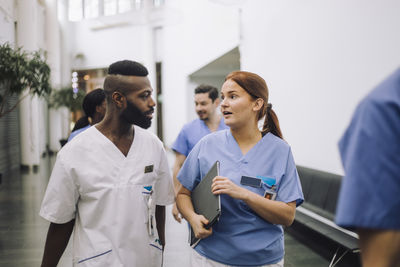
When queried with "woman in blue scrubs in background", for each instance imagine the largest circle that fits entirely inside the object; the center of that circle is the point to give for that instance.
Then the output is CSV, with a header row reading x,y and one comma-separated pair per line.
x,y
249,231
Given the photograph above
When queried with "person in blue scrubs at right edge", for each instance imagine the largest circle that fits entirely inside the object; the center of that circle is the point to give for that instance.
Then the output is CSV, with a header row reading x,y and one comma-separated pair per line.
x,y
249,231
369,199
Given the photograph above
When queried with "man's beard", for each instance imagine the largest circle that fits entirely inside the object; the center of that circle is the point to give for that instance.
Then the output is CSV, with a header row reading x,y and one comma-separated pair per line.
x,y
202,116
133,115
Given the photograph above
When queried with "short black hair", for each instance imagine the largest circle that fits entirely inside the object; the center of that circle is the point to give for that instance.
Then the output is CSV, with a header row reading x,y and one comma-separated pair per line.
x,y
211,90
127,68
92,100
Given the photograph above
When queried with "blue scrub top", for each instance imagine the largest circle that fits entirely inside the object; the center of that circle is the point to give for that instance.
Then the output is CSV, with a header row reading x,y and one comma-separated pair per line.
x,y
370,151
76,132
191,133
241,237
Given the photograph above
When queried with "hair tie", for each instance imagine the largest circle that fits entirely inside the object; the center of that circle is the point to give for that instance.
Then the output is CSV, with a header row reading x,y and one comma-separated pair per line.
x,y
269,106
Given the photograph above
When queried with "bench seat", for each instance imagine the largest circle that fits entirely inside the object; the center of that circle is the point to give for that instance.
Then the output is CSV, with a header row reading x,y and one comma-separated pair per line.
x,y
321,191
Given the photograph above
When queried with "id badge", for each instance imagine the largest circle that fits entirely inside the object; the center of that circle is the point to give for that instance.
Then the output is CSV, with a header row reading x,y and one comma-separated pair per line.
x,y
270,194
250,181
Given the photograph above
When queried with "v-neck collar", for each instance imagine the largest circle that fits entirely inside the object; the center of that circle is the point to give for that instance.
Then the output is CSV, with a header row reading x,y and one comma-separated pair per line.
x,y
236,148
205,126
220,125
114,148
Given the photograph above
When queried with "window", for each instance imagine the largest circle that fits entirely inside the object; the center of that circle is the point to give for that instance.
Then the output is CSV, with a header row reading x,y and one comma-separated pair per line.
x,y
80,9
110,7
75,11
158,3
138,4
124,5
91,8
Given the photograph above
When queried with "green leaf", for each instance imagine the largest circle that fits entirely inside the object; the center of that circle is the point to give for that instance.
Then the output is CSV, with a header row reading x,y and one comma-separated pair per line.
x,y
20,70
65,97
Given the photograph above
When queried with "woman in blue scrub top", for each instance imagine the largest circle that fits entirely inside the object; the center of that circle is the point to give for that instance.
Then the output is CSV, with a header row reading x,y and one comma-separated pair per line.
x,y
249,231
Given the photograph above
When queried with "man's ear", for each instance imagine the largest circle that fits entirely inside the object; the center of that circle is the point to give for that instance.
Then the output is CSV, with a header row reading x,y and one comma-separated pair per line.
x,y
118,99
258,104
217,101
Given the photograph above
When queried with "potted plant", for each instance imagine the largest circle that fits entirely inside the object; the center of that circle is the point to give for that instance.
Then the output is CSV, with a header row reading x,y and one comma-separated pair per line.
x,y
69,98
21,72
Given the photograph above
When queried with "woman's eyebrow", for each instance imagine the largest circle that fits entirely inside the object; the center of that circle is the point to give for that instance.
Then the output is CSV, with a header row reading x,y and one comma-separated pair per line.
x,y
229,92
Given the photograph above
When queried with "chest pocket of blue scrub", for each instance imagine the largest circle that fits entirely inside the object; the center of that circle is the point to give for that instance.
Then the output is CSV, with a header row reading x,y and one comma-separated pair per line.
x,y
266,189
269,186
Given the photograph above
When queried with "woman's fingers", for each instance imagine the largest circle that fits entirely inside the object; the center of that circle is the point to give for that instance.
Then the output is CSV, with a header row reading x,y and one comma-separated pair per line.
x,y
204,233
223,185
219,182
203,220
199,227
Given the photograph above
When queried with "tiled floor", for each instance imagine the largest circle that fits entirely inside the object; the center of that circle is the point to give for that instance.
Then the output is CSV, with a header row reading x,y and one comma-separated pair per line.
x,y
23,232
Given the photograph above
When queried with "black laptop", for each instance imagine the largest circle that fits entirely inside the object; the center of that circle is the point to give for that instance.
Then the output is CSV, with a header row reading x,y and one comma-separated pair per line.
x,y
205,202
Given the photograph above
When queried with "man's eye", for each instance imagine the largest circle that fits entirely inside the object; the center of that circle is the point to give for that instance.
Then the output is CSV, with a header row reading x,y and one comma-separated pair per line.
x,y
145,96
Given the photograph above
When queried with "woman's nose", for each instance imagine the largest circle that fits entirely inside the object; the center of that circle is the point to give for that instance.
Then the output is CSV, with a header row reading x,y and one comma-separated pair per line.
x,y
223,102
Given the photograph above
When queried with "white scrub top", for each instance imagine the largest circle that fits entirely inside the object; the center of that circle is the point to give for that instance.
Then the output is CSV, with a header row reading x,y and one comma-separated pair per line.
x,y
111,197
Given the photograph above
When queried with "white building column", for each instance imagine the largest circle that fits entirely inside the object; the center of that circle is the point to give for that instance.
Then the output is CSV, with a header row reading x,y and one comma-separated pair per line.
x,y
65,58
29,106
53,43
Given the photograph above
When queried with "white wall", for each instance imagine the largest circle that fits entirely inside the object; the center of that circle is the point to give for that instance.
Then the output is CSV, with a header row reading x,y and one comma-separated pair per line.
x,y
195,33
102,47
319,59
7,31
105,40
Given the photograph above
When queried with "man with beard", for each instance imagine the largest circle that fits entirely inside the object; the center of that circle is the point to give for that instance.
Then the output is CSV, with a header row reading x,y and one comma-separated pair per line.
x,y
112,183
206,103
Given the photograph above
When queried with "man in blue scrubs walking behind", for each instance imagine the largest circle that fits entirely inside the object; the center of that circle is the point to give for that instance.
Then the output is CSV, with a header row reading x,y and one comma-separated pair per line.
x,y
369,199
206,101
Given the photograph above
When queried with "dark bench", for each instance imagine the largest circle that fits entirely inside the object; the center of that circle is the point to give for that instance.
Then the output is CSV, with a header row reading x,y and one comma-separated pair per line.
x,y
321,191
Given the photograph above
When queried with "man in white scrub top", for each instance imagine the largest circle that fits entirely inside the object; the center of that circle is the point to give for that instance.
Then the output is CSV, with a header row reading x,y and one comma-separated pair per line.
x,y
111,183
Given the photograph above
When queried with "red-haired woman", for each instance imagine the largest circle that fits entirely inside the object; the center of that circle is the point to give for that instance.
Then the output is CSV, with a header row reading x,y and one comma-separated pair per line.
x,y
249,231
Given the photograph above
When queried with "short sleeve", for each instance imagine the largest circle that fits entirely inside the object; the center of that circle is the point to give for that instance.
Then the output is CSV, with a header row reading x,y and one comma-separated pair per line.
x,y
371,159
189,175
59,203
289,188
181,144
163,189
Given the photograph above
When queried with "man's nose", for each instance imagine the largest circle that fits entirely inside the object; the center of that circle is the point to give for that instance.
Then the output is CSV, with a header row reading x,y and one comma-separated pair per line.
x,y
152,102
